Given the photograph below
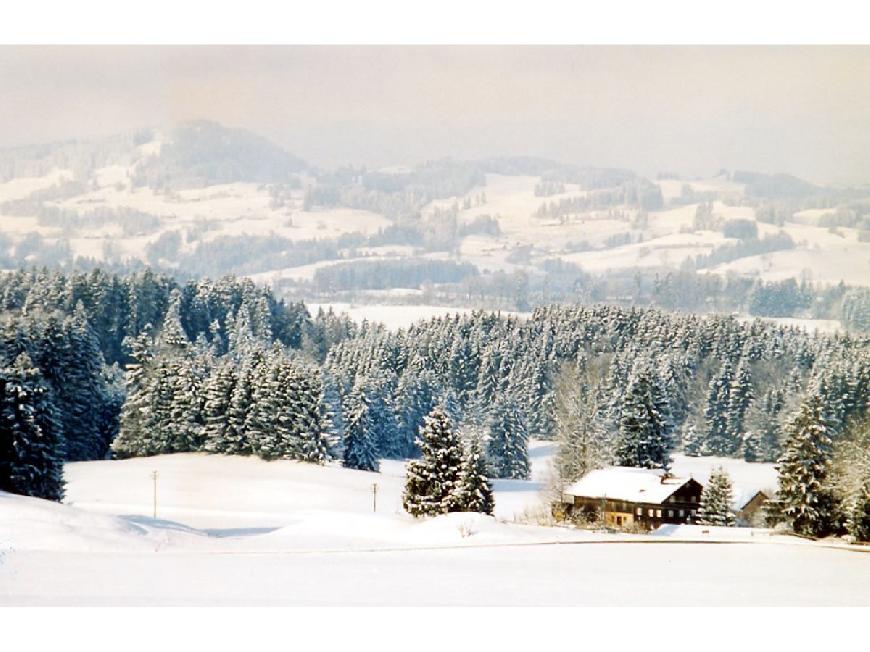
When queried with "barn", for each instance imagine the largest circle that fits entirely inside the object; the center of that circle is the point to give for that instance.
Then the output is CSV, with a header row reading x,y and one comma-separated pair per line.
x,y
629,497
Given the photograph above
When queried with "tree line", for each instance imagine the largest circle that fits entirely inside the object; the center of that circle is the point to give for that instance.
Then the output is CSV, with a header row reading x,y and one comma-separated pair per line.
x,y
228,369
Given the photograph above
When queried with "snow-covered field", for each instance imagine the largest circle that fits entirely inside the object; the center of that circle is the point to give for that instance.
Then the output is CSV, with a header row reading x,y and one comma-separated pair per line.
x,y
240,531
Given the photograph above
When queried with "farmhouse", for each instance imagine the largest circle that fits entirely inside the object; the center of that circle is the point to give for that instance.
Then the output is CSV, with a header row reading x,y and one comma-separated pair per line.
x,y
632,497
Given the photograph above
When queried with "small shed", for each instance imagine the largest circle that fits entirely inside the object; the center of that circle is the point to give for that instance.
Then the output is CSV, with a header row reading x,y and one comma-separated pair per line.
x,y
632,497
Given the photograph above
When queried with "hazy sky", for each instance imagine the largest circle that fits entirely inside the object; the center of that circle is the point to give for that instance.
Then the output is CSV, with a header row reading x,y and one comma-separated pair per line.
x,y
693,110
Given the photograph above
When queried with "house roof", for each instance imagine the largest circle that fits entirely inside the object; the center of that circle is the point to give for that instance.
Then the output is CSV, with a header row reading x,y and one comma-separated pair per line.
x,y
742,498
627,483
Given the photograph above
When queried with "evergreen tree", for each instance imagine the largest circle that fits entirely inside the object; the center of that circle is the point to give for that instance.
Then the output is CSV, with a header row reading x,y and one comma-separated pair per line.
x,y
433,480
87,438
642,439
751,446
716,500
739,400
718,440
172,335
416,395
218,395
31,436
311,420
236,440
185,409
691,441
764,422
360,448
508,447
269,419
474,491
857,511
804,493
135,422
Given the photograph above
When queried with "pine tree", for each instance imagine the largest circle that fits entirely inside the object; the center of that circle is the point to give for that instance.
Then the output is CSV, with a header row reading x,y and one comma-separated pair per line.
x,y
88,394
718,440
804,493
739,399
236,440
173,336
857,511
268,419
380,387
433,480
135,420
31,436
508,447
716,500
474,492
642,439
360,448
218,394
416,395
185,409
764,420
751,446
311,419
691,441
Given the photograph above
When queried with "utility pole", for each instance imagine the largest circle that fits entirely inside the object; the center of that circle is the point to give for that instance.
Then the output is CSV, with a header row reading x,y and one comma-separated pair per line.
x,y
374,496
154,477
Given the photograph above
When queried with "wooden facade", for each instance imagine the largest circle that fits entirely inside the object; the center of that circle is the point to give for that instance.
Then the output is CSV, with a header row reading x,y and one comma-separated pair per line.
x,y
679,507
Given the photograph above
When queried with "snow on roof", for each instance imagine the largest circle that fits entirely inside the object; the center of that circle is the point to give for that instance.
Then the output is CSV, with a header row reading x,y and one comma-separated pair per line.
x,y
626,483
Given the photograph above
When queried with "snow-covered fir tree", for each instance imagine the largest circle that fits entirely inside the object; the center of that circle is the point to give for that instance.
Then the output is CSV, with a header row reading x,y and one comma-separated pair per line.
x,y
31,435
739,399
434,479
642,439
474,491
416,395
719,440
218,395
804,491
360,446
310,419
750,446
508,445
716,500
691,440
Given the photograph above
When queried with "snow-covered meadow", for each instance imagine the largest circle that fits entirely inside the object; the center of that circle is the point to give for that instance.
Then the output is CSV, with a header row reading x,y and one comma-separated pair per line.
x,y
241,531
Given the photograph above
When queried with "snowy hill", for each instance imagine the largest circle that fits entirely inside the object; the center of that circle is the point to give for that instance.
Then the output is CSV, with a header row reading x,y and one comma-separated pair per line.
x,y
206,199
214,491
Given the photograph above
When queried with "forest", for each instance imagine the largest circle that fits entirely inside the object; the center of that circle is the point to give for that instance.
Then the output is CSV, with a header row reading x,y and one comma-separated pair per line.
x,y
97,365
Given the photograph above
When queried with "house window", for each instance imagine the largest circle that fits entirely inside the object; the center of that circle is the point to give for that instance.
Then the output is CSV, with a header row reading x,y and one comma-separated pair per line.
x,y
639,511
670,513
658,513
649,513
682,513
